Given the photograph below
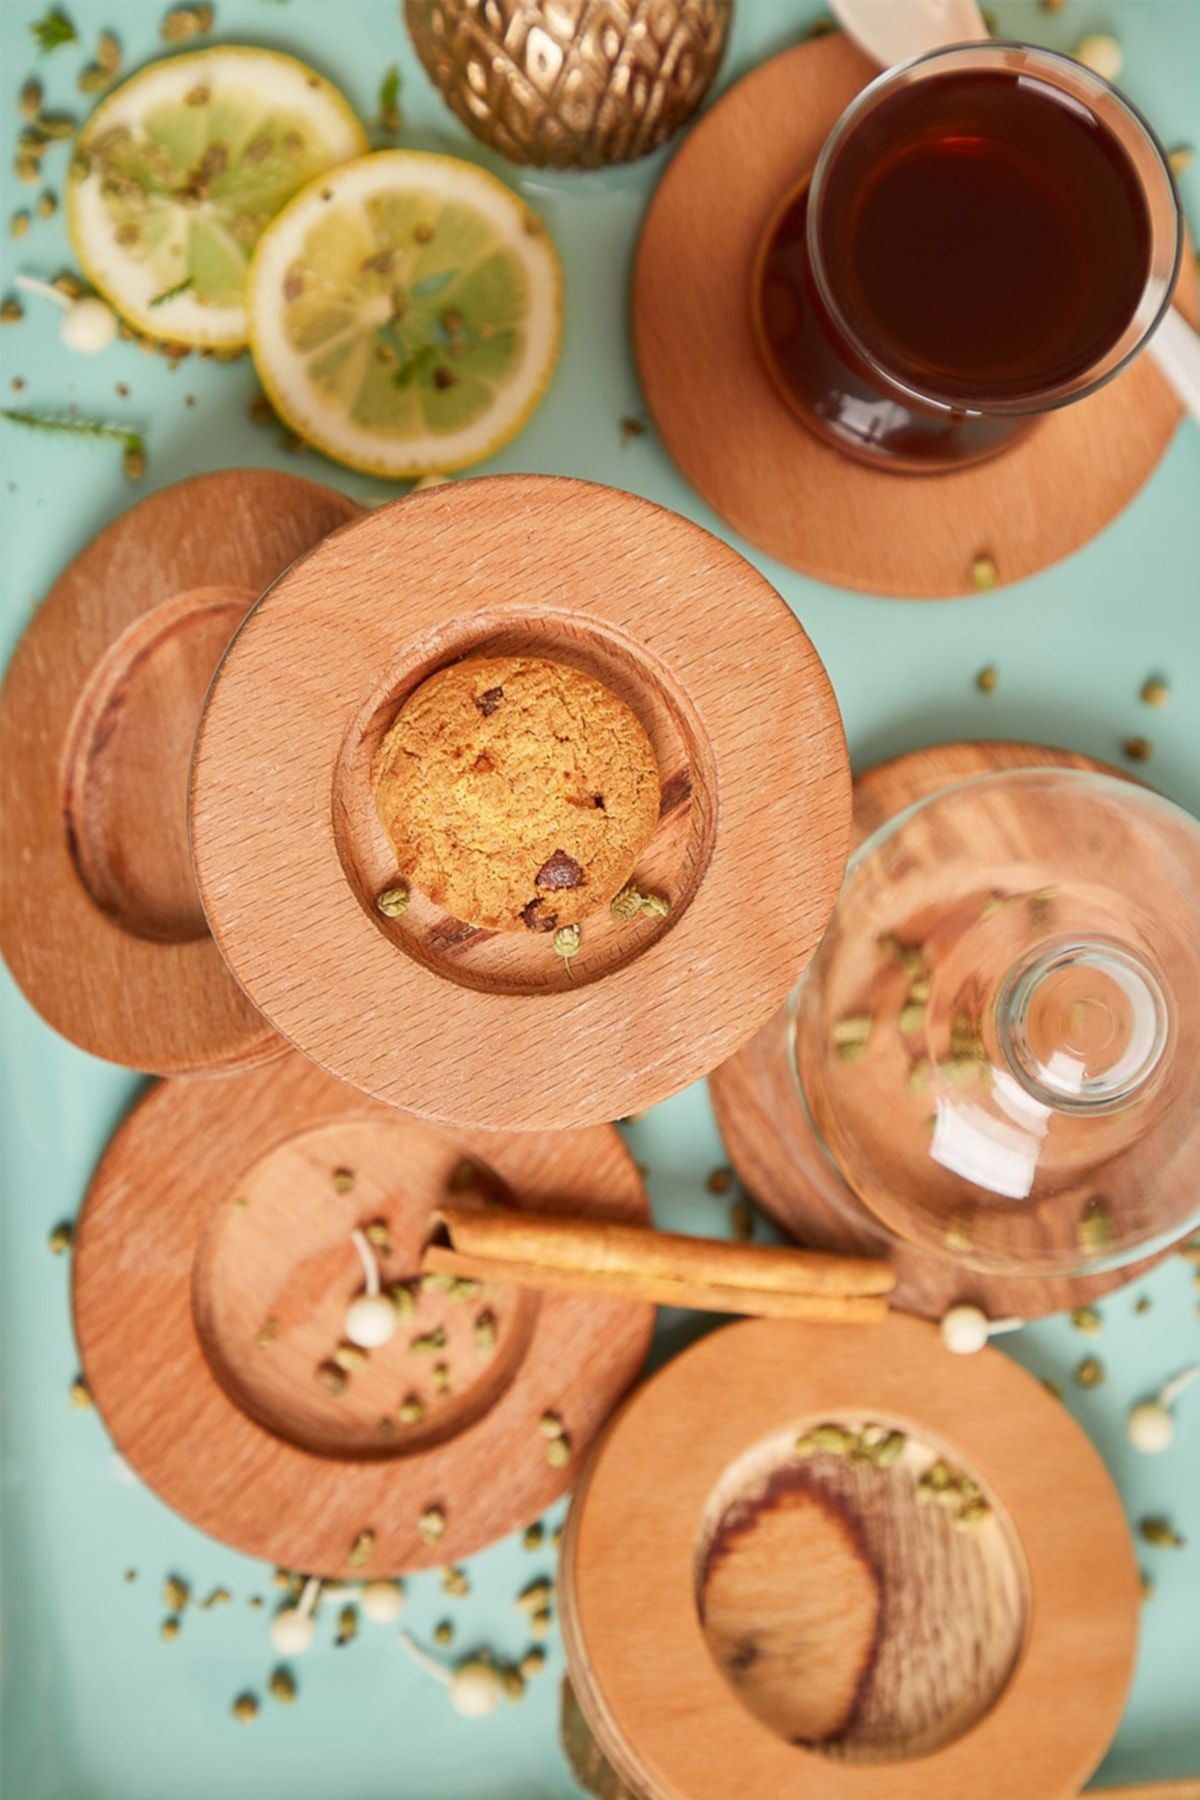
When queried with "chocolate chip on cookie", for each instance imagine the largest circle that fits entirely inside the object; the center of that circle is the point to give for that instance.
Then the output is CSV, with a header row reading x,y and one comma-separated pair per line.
x,y
560,871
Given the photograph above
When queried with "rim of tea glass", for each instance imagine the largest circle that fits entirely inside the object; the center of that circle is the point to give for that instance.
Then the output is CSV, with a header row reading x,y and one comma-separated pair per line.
x,y
1160,280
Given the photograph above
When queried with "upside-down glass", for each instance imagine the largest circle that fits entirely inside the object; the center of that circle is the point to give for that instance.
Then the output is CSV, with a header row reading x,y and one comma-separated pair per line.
x,y
991,231
998,1041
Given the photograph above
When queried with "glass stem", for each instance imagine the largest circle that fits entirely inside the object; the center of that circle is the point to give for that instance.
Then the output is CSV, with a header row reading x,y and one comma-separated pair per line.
x,y
1082,1024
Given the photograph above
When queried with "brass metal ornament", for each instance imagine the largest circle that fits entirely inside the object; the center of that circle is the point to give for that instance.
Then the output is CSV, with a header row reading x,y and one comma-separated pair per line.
x,y
571,84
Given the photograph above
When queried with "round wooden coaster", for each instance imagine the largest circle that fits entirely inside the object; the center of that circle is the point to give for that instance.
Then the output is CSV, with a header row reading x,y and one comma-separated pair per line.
x,y
771,1141
455,1023
212,1270
100,921
723,1598
773,480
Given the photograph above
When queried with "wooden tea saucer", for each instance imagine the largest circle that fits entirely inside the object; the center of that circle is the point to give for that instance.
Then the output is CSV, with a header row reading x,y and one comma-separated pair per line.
x,y
454,1023
724,423
771,1141
100,922
741,1620
212,1270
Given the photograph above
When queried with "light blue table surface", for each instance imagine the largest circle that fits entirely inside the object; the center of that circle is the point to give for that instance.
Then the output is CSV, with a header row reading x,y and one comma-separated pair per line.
x,y
95,1705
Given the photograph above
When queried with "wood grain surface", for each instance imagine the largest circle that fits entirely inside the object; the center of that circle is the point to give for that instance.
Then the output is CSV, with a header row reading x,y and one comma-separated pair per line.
x,y
850,1613
721,419
452,1023
663,1712
770,1139
99,918
212,1269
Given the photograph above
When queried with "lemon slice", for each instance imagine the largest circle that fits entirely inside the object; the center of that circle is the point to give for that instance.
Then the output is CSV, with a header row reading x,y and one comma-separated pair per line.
x,y
405,313
177,173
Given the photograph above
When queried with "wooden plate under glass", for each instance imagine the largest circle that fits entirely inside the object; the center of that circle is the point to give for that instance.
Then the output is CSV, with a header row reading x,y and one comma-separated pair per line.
x,y
770,1138
723,421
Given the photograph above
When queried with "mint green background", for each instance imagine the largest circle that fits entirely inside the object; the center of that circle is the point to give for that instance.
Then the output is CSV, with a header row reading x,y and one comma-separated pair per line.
x,y
94,1704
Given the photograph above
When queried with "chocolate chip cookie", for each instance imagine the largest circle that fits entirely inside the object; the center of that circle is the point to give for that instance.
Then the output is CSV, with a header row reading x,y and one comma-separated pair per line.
x,y
518,793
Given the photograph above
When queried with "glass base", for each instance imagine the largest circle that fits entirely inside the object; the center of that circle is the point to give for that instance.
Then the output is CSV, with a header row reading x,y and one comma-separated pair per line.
x,y
817,380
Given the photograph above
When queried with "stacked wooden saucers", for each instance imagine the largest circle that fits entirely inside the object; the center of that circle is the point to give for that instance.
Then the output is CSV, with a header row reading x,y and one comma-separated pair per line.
x,y
100,921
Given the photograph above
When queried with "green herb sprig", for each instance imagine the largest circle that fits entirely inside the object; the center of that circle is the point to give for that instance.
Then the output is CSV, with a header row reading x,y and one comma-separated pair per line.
x,y
53,29
391,119
86,428
133,445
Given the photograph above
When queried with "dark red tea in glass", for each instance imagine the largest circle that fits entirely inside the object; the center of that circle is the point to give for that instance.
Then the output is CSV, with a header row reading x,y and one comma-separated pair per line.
x,y
990,231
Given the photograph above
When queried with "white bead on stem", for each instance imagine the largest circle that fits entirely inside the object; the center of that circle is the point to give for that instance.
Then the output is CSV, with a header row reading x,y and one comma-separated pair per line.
x,y
382,1601
476,1688
293,1629
89,323
1151,1427
370,1319
967,1328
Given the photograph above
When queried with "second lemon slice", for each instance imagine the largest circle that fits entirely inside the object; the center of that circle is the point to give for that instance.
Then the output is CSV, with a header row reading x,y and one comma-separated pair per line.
x,y
405,313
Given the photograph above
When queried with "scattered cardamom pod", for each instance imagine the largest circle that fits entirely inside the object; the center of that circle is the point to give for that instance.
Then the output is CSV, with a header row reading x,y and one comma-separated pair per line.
x,y
741,1220
361,1550
568,940
535,1596
485,1334
245,1709
431,1524
403,1298
1090,1372
175,1593
392,901
282,1686
1160,1533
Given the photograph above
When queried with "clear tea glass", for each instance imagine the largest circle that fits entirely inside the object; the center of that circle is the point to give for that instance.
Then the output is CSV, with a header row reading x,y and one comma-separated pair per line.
x,y
991,231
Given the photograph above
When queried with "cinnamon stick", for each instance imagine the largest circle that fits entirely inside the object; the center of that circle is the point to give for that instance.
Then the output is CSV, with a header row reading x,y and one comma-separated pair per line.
x,y
599,1256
